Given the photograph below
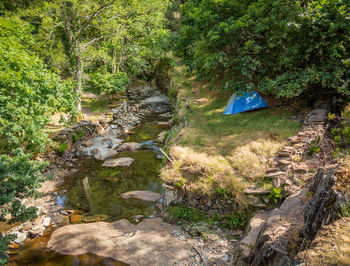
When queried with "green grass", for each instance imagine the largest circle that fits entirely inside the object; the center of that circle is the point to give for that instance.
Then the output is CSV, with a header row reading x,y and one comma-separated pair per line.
x,y
215,152
189,214
96,105
209,126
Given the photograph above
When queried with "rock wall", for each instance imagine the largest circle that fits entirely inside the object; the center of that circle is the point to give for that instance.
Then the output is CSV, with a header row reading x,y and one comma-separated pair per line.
x,y
292,166
324,207
274,238
209,205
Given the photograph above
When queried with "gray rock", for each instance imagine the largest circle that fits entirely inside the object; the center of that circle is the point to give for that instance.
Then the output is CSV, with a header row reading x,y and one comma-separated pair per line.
x,y
172,196
104,155
129,146
123,161
20,237
151,242
160,99
46,221
256,191
272,245
325,205
142,195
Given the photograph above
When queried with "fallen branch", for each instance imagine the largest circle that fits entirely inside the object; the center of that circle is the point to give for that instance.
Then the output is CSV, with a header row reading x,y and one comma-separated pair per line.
x,y
165,155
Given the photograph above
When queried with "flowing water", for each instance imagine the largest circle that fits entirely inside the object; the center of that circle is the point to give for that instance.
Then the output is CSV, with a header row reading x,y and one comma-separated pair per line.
x,y
94,191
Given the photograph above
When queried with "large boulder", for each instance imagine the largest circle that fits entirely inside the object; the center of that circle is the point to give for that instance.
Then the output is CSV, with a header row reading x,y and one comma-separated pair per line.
x,y
274,241
150,242
101,148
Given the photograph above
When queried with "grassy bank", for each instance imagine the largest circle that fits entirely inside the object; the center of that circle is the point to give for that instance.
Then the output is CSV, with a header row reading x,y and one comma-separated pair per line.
x,y
217,154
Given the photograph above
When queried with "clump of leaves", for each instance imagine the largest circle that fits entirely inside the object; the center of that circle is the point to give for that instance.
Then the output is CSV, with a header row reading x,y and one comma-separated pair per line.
x,y
181,212
314,148
62,148
220,191
78,135
235,221
275,194
345,210
341,138
180,183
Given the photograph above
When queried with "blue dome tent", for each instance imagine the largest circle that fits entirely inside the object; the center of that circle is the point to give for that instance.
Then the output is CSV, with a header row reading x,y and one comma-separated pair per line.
x,y
246,102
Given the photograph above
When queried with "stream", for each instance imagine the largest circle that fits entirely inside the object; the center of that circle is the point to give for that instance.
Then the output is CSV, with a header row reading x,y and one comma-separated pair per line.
x,y
93,192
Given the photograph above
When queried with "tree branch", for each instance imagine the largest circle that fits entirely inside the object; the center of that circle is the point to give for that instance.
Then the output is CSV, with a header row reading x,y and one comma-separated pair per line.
x,y
90,42
92,17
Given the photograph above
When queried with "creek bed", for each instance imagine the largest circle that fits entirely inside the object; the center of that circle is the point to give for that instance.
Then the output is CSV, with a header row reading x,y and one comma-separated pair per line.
x,y
95,191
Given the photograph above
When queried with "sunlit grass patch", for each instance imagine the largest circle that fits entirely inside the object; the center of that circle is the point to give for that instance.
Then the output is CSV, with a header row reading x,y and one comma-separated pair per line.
x,y
96,105
201,173
216,152
251,159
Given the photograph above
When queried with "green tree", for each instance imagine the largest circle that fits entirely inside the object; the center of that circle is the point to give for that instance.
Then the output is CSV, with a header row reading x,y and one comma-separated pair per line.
x,y
29,92
279,47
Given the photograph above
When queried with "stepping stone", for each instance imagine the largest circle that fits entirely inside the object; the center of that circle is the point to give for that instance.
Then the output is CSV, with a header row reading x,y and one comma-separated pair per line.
x,y
275,174
284,162
255,226
142,195
123,161
256,191
284,154
163,123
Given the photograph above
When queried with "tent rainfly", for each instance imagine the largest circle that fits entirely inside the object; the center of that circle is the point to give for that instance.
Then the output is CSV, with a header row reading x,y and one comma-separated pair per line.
x,y
247,102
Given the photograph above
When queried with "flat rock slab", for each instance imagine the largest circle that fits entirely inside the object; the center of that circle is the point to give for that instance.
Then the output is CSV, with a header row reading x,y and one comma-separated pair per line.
x,y
160,99
129,146
142,195
151,242
123,161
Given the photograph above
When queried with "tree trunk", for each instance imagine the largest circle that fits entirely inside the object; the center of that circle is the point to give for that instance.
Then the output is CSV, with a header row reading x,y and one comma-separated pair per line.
x,y
114,55
78,76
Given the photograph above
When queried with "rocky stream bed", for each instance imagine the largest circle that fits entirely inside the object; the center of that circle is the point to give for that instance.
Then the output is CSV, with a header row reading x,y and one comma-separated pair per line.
x,y
105,205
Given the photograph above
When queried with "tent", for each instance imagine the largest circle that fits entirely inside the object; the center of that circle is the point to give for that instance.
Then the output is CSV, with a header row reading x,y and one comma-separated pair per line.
x,y
246,102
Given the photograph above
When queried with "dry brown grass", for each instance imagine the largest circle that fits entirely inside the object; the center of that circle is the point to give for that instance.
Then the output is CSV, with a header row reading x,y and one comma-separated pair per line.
x,y
202,173
331,245
251,159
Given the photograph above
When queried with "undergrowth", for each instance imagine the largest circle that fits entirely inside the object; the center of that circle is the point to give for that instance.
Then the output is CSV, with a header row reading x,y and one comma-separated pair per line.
x,y
197,223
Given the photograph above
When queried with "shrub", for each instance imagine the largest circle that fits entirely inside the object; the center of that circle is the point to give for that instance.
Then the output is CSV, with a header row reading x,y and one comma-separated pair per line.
x,y
275,194
108,83
62,148
78,135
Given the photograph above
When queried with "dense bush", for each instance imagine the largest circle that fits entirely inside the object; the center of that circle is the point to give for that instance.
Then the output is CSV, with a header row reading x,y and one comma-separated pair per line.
x,y
107,83
29,92
279,47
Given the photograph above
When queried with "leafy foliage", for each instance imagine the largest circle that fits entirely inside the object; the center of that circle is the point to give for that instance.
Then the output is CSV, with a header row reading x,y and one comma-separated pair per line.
x,y
4,242
62,147
235,221
278,47
275,194
29,92
108,83
19,177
